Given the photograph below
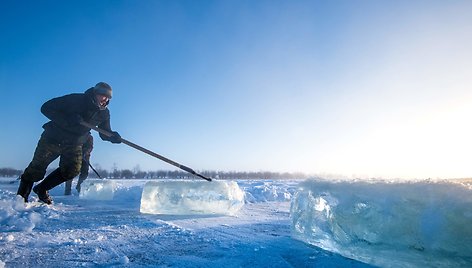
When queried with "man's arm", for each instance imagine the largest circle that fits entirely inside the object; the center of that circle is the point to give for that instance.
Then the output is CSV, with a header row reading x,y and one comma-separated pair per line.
x,y
58,110
105,125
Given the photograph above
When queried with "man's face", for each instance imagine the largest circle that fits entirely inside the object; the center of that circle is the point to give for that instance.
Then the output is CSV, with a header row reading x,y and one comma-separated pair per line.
x,y
102,100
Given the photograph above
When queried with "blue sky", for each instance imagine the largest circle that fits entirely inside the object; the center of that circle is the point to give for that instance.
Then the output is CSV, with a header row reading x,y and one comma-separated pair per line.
x,y
361,88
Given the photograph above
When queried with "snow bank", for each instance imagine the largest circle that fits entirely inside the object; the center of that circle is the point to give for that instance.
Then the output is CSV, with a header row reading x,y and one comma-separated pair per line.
x,y
15,215
408,224
191,197
95,189
267,190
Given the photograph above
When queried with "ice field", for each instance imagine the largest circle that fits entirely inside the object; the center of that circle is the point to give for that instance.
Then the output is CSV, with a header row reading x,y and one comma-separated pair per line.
x,y
81,232
333,224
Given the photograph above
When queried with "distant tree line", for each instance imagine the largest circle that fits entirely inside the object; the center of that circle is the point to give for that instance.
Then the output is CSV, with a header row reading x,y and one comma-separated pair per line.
x,y
137,173
177,174
10,172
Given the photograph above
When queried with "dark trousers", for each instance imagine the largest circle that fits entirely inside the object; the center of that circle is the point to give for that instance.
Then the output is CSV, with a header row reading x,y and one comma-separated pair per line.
x,y
82,177
49,150
84,170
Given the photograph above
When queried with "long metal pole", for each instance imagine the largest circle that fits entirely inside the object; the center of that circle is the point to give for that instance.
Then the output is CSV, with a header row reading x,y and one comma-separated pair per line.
x,y
144,150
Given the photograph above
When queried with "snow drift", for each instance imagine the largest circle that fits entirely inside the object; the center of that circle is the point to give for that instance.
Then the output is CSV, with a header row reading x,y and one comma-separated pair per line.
x,y
191,197
390,224
267,190
16,216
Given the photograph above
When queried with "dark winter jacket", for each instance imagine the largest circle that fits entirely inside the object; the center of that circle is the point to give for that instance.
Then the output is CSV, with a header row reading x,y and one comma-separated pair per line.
x,y
63,113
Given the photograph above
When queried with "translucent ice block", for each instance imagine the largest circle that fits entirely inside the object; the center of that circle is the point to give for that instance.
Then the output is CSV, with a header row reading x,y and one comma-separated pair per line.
x,y
389,224
184,197
97,189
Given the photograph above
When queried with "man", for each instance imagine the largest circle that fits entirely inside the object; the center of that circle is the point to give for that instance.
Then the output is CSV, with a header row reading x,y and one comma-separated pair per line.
x,y
64,136
87,148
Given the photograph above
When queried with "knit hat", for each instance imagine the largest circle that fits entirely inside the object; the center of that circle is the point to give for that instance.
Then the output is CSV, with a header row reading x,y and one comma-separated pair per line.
x,y
103,88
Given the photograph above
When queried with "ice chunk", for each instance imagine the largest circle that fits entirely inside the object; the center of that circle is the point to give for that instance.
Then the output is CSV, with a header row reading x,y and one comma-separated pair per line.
x,y
407,224
97,189
184,197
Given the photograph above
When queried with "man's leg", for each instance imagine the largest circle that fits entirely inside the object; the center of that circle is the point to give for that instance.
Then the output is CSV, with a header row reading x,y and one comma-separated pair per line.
x,y
52,180
68,187
46,152
69,167
84,171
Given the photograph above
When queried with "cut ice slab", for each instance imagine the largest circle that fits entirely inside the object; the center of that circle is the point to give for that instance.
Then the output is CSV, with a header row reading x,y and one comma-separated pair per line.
x,y
97,189
191,197
387,224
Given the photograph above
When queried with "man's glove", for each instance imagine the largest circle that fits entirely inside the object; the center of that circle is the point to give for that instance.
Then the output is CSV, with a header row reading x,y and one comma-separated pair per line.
x,y
115,137
75,120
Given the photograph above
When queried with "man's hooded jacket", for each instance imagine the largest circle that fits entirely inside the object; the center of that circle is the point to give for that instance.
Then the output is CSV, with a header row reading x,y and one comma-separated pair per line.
x,y
63,113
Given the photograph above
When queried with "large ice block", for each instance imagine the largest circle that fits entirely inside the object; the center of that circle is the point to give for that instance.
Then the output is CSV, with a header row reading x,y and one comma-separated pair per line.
x,y
389,224
95,189
185,197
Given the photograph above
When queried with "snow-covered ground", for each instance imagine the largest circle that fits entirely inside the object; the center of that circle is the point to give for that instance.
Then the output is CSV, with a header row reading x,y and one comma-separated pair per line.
x,y
113,233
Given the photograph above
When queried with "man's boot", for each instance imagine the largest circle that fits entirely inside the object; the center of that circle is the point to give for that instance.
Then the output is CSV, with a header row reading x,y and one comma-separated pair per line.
x,y
51,181
25,189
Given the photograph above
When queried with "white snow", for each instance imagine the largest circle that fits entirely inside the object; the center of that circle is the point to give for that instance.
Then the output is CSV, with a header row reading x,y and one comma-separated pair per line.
x,y
95,189
16,216
390,224
186,197
267,191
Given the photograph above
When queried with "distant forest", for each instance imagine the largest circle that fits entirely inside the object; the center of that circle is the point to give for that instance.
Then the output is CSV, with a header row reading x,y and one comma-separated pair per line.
x,y
136,173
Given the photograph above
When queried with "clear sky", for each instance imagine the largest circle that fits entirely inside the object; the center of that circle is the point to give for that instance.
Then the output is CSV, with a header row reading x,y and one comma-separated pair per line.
x,y
363,88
